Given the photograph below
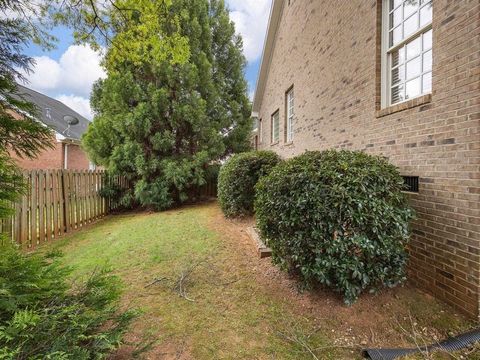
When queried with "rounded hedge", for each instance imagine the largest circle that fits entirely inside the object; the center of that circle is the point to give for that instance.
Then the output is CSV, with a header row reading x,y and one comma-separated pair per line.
x,y
338,218
237,179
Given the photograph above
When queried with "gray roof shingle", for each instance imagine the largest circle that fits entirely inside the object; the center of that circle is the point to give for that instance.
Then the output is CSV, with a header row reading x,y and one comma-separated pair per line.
x,y
51,113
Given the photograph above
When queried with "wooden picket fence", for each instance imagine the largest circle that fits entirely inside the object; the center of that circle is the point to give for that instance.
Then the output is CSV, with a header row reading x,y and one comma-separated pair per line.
x,y
58,202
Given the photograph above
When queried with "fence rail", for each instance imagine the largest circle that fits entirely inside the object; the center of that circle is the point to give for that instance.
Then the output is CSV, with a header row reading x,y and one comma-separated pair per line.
x,y
57,202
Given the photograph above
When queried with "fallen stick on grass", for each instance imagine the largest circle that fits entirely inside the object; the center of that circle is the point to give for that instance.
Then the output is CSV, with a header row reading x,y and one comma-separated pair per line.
x,y
179,286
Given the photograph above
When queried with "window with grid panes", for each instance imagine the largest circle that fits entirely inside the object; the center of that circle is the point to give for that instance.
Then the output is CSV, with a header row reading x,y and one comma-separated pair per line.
x,y
407,54
290,112
275,127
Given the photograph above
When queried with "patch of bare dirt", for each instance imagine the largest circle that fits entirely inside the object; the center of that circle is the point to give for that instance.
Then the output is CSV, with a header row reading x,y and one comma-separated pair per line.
x,y
137,346
372,322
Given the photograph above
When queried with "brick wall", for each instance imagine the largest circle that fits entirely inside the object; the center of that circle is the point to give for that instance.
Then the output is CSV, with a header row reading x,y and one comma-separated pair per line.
x,y
47,159
330,51
55,158
77,159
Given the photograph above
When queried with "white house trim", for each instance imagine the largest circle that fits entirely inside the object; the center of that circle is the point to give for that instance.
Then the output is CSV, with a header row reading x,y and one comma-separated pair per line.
x,y
273,23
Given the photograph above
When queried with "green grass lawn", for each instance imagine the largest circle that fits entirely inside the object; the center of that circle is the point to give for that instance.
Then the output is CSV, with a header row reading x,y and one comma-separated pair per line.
x,y
235,306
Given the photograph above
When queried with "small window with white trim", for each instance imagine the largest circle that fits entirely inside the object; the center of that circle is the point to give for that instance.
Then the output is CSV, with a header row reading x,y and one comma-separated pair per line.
x,y
260,131
275,128
406,50
290,99
255,124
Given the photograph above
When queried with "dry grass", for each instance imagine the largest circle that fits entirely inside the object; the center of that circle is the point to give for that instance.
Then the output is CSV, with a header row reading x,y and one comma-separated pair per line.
x,y
205,295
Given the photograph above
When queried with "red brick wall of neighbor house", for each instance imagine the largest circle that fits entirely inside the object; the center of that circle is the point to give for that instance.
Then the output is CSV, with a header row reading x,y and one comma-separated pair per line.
x,y
77,159
55,158
330,52
47,159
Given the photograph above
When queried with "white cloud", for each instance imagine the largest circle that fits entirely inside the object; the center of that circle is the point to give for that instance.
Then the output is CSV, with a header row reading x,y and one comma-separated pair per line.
x,y
74,73
251,19
77,103
70,79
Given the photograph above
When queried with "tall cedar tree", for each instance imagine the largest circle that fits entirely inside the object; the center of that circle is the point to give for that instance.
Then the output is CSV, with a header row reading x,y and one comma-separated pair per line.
x,y
174,101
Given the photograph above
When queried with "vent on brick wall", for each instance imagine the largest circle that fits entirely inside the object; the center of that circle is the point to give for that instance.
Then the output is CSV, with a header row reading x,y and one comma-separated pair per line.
x,y
411,183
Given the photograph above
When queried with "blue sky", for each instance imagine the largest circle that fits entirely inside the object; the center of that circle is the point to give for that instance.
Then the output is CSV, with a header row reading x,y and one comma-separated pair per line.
x,y
68,72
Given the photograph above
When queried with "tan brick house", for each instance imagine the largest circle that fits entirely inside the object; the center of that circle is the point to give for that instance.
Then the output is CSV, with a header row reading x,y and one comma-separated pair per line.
x,y
66,152
394,78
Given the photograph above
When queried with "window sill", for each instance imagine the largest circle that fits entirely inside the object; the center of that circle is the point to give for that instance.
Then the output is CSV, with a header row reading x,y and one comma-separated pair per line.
x,y
274,143
290,143
409,104
412,193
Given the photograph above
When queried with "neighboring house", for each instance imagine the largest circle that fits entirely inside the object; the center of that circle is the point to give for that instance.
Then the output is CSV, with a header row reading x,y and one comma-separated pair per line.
x,y
66,152
400,79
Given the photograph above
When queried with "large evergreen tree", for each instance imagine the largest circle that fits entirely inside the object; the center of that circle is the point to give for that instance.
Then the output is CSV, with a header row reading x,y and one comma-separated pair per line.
x,y
175,98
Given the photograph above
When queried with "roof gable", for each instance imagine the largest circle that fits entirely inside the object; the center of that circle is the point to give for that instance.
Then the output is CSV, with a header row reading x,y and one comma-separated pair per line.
x,y
51,112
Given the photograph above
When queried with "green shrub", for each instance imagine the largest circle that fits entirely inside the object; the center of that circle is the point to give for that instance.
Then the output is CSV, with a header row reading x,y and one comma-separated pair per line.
x,y
209,189
122,197
212,172
237,179
337,218
42,317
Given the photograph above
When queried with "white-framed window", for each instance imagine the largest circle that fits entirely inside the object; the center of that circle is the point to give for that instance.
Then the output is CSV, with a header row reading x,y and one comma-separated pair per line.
x,y
290,100
255,124
275,128
260,131
406,50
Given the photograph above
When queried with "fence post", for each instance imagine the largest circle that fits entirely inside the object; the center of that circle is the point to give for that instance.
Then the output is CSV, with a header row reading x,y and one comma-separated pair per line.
x,y
66,204
34,210
41,207
48,204
23,239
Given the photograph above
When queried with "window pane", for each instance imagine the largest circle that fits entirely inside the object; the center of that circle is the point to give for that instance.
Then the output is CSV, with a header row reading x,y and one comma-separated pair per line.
x,y
414,48
396,35
410,25
427,83
398,57
398,74
412,88
397,94
427,61
414,67
394,4
427,40
426,15
290,105
409,7
396,18
275,127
